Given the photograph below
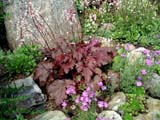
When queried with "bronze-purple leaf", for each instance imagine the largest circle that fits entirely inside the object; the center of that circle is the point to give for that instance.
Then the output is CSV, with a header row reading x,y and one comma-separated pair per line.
x,y
57,90
42,72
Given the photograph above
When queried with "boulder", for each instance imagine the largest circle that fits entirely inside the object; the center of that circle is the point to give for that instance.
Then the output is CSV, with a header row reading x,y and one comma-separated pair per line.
x,y
38,20
153,85
150,116
109,115
116,101
33,95
153,104
134,55
51,115
129,47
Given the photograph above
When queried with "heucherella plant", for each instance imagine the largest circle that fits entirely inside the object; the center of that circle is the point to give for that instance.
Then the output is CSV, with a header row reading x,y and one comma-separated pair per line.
x,y
69,69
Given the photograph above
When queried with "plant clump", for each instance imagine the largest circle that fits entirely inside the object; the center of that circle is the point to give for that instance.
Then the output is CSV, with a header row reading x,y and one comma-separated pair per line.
x,y
72,65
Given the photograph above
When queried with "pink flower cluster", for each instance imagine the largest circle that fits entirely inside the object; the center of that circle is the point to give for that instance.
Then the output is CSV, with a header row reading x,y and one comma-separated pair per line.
x,y
85,99
103,87
70,90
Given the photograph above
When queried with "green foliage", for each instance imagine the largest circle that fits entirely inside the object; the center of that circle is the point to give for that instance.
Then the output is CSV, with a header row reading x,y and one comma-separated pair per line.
x,y
1,56
118,61
90,16
134,105
127,116
29,50
22,60
19,63
129,71
128,77
157,69
8,103
136,22
158,115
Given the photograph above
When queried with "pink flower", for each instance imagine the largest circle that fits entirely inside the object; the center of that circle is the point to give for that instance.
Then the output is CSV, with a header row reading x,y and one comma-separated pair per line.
x,y
92,94
84,108
139,78
157,63
100,84
123,55
103,88
85,94
148,62
157,52
138,83
143,72
70,90
88,89
77,99
100,118
64,104
145,52
105,104
102,104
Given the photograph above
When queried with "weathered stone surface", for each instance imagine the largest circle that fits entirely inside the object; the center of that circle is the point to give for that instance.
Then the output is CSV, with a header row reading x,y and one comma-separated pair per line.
x,y
51,115
136,54
150,116
106,42
116,101
153,104
114,78
20,26
153,85
110,115
129,47
30,90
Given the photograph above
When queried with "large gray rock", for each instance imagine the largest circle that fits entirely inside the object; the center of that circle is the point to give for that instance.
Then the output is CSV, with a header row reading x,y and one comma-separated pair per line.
x,y
136,55
116,101
51,115
153,85
20,26
110,115
32,93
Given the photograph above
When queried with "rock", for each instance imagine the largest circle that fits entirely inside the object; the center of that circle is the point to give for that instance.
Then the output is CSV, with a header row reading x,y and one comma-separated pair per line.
x,y
136,54
32,93
153,104
150,116
153,86
106,42
51,115
116,101
52,16
110,115
129,47
114,79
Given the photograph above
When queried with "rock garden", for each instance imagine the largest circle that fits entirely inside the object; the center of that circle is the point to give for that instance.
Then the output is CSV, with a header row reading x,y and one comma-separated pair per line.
x,y
80,60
